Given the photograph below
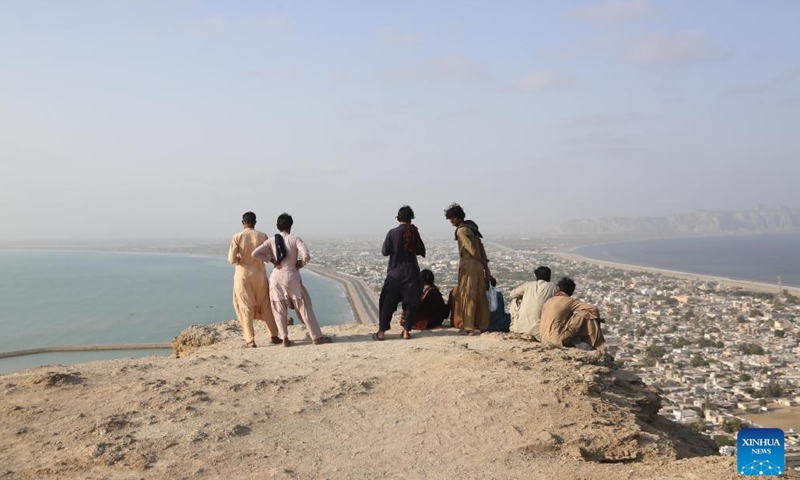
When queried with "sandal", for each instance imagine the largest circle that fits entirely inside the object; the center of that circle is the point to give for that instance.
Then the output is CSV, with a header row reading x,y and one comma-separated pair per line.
x,y
463,332
322,340
250,345
286,342
276,340
376,337
406,335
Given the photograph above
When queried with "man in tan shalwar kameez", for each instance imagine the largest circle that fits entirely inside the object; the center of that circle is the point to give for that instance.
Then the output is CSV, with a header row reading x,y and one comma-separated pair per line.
x,y
568,322
470,305
250,286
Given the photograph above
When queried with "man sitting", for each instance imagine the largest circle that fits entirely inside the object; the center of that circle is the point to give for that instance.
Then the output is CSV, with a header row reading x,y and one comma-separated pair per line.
x,y
499,320
432,309
526,302
567,322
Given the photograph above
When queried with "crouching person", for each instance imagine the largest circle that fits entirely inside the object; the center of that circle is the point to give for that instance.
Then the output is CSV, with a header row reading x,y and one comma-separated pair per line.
x,y
567,322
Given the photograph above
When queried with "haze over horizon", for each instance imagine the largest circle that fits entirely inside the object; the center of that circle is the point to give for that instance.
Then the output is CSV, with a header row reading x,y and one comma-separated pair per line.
x,y
169,119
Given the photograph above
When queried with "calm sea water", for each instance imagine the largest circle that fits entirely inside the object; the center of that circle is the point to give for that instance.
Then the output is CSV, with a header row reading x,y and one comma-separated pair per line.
x,y
89,298
759,258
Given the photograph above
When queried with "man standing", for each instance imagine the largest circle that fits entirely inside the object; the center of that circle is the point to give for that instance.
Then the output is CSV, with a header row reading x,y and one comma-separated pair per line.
x,y
567,322
527,300
289,254
403,282
470,305
250,286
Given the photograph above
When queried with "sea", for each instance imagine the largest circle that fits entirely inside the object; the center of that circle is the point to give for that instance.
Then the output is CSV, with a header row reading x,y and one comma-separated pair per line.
x,y
758,258
70,298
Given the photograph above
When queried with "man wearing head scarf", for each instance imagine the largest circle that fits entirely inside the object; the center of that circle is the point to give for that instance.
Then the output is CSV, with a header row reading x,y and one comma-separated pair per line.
x,y
403,283
470,305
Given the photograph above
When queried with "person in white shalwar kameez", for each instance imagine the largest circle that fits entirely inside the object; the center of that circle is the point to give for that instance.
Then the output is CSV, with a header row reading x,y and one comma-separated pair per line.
x,y
286,290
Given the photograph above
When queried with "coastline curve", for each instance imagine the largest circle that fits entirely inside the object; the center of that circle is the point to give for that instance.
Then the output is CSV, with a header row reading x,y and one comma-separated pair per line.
x,y
731,282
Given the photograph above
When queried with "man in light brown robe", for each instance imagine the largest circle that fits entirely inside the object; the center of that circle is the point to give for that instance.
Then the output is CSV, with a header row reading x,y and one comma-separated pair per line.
x,y
470,312
568,322
250,286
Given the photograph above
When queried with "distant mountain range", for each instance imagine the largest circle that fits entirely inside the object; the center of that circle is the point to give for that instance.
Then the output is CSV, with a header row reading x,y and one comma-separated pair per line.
x,y
764,219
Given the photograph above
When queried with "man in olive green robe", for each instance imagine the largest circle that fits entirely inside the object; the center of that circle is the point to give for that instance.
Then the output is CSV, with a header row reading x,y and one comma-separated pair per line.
x,y
470,305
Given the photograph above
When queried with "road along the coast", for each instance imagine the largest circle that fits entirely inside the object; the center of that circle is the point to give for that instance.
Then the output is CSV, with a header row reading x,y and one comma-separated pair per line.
x,y
362,300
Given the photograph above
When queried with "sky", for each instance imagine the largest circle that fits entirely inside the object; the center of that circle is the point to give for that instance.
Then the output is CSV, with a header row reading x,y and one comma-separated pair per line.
x,y
136,119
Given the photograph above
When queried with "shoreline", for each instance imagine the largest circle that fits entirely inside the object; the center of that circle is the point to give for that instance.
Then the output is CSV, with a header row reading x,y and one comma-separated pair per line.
x,y
731,282
85,348
362,302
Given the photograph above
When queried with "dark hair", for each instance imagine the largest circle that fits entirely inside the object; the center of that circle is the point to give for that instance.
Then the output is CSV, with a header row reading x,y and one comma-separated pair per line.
x,y
493,281
249,218
427,277
566,285
285,222
542,273
455,211
405,214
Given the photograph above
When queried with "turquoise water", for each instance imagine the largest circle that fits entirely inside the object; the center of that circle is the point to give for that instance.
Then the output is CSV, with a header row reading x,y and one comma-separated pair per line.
x,y
52,298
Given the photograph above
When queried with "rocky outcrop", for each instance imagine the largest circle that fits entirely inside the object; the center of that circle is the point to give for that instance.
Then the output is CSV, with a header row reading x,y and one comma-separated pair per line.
x,y
438,406
197,336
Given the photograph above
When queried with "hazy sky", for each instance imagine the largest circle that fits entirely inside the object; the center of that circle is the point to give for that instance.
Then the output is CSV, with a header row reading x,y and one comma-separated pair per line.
x,y
171,118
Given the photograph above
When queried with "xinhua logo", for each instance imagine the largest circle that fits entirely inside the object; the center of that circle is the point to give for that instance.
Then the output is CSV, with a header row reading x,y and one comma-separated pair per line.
x,y
760,451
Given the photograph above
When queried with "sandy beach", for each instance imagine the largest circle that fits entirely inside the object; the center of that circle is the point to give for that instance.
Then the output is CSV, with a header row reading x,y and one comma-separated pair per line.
x,y
734,283
438,406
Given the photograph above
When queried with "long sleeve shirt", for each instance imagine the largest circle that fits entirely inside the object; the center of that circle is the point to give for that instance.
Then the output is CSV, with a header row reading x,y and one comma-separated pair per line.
x,y
533,295
558,325
403,264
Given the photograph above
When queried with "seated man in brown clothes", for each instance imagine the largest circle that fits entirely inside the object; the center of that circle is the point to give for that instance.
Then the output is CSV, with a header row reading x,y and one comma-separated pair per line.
x,y
432,310
567,322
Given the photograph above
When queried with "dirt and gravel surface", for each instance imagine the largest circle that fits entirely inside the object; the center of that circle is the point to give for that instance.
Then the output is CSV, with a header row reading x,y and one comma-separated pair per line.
x,y
439,405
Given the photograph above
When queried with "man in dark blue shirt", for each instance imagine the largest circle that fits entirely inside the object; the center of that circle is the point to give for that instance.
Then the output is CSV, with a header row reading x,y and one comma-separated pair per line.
x,y
403,283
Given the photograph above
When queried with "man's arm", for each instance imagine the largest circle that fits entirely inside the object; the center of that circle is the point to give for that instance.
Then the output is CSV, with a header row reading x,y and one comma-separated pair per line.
x,y
263,252
590,310
302,249
386,249
465,239
518,292
234,255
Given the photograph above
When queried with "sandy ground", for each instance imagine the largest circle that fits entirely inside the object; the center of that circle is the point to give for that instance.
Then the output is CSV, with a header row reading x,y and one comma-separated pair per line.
x,y
783,418
439,405
743,284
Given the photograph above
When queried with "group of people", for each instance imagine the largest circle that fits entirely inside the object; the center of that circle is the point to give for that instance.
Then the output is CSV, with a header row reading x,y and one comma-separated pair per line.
x,y
539,308
255,297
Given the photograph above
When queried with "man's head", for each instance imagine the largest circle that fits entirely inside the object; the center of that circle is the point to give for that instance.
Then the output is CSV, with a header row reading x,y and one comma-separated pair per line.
x,y
285,222
455,214
542,273
405,214
427,277
249,219
493,281
567,286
